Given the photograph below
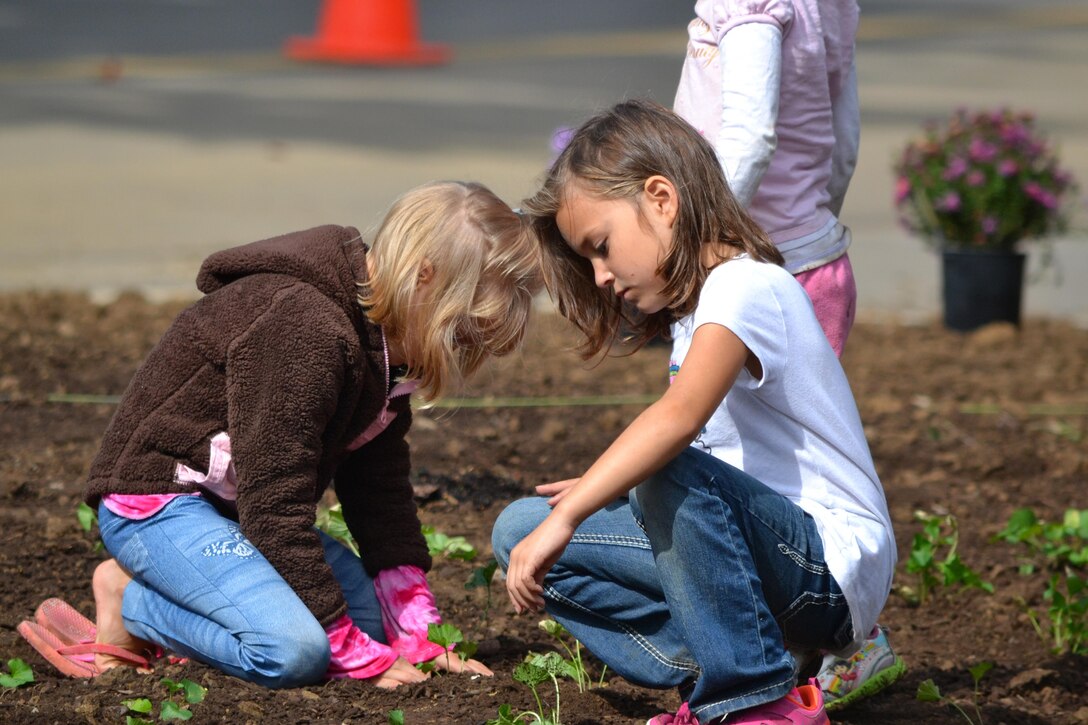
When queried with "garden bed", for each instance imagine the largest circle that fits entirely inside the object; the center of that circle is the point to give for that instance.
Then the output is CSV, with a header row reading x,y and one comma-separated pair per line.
x,y
974,425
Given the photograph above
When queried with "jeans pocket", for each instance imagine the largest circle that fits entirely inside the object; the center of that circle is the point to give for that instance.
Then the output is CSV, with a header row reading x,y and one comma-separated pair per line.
x,y
817,621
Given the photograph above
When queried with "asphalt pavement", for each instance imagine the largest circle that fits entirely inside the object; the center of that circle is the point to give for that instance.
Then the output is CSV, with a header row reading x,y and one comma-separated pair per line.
x,y
136,138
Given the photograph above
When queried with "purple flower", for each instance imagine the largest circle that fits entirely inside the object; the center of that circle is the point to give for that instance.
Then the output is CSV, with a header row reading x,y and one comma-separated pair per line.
x,y
981,150
987,176
955,169
902,189
950,201
1015,134
1039,194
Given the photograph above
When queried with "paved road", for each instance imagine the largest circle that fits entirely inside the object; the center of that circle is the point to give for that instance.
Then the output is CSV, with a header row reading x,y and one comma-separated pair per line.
x,y
136,137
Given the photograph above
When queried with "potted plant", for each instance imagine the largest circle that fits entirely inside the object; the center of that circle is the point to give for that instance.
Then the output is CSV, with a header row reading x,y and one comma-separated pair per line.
x,y
974,187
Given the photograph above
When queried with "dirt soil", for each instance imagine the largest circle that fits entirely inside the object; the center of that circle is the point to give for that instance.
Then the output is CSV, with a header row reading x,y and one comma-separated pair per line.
x,y
973,425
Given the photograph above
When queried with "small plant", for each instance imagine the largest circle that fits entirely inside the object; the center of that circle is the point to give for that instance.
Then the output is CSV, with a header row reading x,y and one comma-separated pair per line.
x,y
982,180
88,520
1062,550
140,705
929,692
18,674
193,693
169,709
537,669
508,717
331,521
482,576
575,667
444,635
939,534
452,547
452,639
395,717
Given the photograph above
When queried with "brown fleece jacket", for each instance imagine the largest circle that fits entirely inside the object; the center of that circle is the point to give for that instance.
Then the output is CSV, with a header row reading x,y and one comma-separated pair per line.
x,y
279,354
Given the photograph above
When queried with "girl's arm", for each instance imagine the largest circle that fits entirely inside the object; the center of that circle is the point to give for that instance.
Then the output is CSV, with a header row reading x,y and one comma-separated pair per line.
x,y
846,120
751,70
653,439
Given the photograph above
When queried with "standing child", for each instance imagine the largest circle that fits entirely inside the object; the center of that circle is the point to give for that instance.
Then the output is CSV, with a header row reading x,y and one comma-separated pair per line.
x,y
292,372
738,515
772,85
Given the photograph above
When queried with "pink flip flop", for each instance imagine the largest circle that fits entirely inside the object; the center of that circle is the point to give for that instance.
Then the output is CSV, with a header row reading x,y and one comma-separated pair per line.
x,y
65,638
64,621
75,660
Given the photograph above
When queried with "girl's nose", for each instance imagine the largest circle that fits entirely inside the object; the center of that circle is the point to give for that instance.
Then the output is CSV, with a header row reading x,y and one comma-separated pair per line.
x,y
601,276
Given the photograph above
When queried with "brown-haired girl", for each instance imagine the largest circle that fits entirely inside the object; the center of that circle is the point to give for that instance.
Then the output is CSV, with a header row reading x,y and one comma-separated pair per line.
x,y
738,516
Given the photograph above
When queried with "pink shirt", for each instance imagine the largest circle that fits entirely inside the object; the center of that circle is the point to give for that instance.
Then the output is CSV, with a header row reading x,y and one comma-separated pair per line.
x,y
771,84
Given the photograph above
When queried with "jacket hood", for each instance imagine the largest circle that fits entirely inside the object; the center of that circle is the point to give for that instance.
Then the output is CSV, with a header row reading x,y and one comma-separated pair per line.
x,y
330,258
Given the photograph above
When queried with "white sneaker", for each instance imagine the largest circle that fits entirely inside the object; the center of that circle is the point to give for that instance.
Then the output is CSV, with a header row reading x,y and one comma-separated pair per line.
x,y
844,681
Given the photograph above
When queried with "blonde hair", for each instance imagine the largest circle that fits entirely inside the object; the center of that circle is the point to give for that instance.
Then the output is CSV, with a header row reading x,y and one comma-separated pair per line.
x,y
481,260
612,155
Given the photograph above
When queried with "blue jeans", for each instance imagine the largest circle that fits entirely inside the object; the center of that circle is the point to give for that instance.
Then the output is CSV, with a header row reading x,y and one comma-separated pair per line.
x,y
201,589
696,581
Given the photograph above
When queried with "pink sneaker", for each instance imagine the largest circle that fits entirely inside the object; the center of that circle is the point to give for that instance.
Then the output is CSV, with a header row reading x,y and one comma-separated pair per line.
x,y
683,716
803,706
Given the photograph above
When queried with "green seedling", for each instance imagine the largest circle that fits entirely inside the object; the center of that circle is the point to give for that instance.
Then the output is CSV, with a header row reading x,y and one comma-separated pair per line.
x,y
450,638
168,708
574,663
534,671
934,559
141,705
929,692
452,547
539,668
88,520
87,516
395,717
1061,549
331,521
482,576
194,693
18,674
508,717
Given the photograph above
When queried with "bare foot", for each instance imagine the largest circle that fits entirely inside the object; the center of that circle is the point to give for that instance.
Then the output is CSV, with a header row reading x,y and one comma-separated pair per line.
x,y
109,584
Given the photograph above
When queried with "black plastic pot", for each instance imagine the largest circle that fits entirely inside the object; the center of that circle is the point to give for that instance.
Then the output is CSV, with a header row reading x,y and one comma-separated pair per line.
x,y
981,286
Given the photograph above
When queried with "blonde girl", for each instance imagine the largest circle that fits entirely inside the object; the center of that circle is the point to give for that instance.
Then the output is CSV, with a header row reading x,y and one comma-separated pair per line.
x,y
292,373
740,513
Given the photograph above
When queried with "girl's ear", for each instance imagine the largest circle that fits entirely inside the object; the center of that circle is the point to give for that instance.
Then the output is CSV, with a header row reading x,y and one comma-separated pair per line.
x,y
661,199
426,273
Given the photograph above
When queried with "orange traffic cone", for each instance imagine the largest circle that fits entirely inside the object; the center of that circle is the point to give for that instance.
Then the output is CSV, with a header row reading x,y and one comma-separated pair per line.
x,y
378,32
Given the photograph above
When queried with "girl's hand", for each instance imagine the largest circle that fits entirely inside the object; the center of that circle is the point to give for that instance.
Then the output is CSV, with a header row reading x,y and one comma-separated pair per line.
x,y
458,665
556,490
532,558
401,672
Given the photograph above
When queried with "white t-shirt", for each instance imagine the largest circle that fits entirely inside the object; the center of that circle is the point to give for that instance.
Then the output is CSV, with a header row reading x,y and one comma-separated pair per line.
x,y
797,429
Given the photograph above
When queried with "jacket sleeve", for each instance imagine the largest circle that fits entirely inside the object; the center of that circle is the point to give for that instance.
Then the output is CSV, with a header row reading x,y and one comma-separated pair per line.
x,y
283,380
376,497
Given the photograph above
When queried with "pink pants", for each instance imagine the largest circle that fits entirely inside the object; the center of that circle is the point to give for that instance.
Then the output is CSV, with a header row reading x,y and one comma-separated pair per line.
x,y
834,296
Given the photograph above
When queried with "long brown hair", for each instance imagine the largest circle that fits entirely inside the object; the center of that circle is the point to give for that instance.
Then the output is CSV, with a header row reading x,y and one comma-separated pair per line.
x,y
612,155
